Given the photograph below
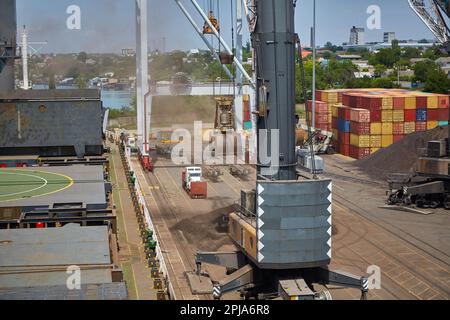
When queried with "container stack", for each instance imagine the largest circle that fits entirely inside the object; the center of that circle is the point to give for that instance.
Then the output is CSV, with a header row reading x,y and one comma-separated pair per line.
x,y
366,120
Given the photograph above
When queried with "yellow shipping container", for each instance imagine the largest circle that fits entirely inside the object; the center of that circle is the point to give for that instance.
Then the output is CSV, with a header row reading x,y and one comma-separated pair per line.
x,y
386,128
398,116
373,150
334,111
375,141
360,141
433,102
386,116
432,124
375,128
410,103
410,127
387,140
332,97
387,103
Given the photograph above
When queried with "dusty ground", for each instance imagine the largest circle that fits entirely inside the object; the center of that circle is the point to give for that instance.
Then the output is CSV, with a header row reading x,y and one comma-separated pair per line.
x,y
411,250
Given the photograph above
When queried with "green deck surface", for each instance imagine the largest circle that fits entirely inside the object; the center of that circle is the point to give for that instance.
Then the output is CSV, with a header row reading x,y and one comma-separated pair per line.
x,y
17,184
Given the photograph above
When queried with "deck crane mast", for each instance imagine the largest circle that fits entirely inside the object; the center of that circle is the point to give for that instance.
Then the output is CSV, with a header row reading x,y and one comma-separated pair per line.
x,y
432,12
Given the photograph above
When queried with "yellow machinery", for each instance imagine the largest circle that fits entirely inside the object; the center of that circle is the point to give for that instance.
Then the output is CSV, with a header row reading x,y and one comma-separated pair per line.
x,y
213,20
224,114
164,143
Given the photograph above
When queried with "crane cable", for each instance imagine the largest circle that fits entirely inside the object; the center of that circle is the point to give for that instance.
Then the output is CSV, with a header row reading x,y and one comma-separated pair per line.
x,y
308,120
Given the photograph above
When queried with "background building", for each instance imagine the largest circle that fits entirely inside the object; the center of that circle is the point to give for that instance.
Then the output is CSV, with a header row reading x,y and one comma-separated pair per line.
x,y
357,36
388,37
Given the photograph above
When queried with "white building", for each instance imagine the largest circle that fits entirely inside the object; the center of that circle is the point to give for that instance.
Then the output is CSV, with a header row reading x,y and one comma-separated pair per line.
x,y
388,37
357,36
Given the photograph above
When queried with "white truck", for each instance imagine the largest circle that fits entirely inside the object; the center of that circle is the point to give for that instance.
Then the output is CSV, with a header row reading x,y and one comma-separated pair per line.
x,y
193,183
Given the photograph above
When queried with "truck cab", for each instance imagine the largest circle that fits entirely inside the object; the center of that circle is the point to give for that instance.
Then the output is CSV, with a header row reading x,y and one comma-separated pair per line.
x,y
193,174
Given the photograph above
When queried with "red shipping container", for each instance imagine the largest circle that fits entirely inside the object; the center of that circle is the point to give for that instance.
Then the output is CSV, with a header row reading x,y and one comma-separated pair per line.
x,y
360,115
360,128
345,99
398,128
344,149
443,115
421,126
334,123
344,137
443,101
344,113
398,137
321,118
421,102
321,107
353,101
433,114
359,153
372,103
410,115
359,102
319,95
323,126
399,103
375,116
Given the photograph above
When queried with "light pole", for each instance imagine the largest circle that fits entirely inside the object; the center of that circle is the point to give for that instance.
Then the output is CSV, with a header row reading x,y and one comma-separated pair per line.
x,y
313,42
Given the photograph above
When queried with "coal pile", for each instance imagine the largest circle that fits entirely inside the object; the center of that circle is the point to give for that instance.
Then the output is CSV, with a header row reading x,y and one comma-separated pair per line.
x,y
400,157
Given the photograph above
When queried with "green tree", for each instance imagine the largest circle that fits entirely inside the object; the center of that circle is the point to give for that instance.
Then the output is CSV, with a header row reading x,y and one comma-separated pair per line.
x,y
82,57
437,82
380,69
81,82
422,68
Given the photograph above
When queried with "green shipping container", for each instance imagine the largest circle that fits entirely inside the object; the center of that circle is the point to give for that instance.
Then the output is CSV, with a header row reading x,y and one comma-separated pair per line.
x,y
443,123
247,125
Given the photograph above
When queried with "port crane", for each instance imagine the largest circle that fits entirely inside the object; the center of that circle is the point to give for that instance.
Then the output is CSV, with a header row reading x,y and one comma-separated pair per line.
x,y
432,13
283,227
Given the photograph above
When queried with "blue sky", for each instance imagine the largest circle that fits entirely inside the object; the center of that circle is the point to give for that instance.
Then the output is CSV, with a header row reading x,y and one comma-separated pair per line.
x,y
108,25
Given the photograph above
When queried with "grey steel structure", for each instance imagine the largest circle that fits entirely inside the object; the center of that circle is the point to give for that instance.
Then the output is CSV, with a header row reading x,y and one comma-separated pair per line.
x,y
51,123
291,218
274,42
8,34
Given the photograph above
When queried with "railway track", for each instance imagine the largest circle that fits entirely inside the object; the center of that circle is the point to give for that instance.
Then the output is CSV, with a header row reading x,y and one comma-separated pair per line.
x,y
435,264
167,213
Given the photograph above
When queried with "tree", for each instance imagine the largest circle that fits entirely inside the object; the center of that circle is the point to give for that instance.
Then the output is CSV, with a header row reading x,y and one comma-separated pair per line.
x,y
82,57
80,82
380,69
437,82
423,68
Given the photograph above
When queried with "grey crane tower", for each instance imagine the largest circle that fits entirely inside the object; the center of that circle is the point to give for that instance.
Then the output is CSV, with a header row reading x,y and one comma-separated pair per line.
x,y
282,228
8,34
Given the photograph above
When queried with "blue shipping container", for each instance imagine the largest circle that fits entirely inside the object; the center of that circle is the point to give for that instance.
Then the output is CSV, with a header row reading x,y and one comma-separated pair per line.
x,y
343,125
421,114
247,125
443,123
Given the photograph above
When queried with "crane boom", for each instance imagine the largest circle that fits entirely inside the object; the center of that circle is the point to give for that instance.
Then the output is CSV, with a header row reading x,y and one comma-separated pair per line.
x,y
431,12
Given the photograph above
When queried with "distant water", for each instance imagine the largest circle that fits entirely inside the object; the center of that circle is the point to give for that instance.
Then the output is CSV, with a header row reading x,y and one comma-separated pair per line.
x,y
110,98
116,99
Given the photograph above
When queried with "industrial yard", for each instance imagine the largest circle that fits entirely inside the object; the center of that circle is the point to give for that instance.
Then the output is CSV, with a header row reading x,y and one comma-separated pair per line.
x,y
273,184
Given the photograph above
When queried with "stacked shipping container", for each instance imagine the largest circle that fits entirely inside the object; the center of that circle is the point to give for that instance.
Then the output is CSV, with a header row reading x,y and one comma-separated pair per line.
x,y
365,120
